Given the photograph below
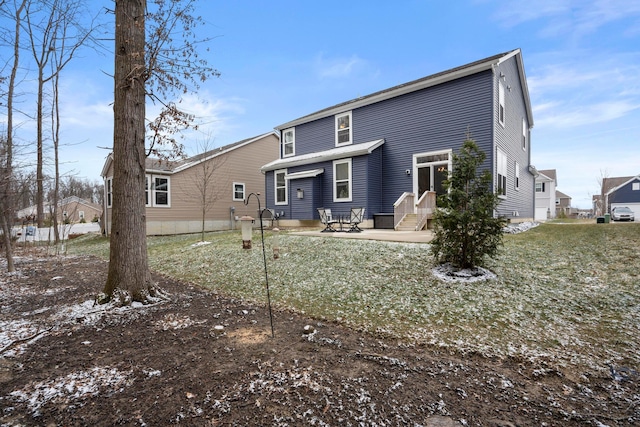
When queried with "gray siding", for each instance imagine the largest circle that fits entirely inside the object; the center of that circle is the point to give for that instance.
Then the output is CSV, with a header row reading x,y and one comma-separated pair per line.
x,y
509,139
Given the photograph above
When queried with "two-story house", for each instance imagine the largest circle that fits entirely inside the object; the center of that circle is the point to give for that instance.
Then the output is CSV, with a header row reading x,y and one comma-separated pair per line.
x,y
546,183
371,151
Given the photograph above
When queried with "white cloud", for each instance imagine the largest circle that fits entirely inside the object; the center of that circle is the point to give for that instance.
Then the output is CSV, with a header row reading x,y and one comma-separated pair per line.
x,y
338,67
567,17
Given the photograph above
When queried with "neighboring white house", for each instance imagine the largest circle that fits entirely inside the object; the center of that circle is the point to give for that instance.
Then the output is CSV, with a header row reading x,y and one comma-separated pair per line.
x,y
546,183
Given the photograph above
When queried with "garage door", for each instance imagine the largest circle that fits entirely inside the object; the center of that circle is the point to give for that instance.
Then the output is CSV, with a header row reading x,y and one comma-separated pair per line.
x,y
541,214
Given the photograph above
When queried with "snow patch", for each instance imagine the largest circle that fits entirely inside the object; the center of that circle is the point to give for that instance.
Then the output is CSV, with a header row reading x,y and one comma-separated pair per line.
x,y
449,273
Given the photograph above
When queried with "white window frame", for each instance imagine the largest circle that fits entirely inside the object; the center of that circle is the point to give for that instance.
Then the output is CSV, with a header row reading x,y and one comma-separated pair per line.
x,y
524,134
501,173
154,191
502,111
109,191
80,215
349,180
516,182
233,190
539,187
337,119
635,186
147,190
275,187
292,143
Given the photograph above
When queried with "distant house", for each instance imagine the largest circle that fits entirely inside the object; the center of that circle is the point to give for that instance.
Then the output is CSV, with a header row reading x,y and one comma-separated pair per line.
x,y
390,148
563,205
622,191
70,210
174,195
546,183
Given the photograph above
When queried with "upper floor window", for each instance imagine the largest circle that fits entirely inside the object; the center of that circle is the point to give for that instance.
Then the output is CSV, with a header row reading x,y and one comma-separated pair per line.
x,y
344,130
502,173
539,187
524,134
280,185
342,180
238,191
635,186
501,106
289,142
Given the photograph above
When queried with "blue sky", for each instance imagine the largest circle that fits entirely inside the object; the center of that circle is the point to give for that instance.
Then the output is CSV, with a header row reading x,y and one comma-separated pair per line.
x,y
284,59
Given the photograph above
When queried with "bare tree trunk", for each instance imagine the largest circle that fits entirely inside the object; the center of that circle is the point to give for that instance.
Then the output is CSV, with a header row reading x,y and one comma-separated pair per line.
x,y
55,132
8,202
128,263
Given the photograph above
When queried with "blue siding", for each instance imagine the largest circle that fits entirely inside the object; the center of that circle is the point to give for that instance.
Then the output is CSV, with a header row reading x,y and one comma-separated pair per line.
x,y
626,194
431,119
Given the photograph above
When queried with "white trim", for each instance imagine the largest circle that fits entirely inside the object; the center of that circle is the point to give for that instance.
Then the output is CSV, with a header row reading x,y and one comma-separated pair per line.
x,y
524,135
613,190
233,191
275,188
304,174
351,150
338,130
147,190
502,107
417,165
349,181
293,142
502,172
154,191
516,182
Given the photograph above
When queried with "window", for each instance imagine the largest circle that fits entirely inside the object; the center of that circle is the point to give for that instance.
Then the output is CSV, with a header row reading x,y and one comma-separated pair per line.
x,y
280,187
502,173
81,215
238,191
109,192
289,142
147,186
517,183
343,129
539,187
524,134
635,186
501,109
160,191
342,180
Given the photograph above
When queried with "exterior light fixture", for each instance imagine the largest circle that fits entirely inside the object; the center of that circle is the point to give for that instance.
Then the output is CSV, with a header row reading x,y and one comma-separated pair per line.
x,y
300,192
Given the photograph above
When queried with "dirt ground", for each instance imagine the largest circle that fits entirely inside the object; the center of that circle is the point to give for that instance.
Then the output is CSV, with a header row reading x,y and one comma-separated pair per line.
x,y
203,359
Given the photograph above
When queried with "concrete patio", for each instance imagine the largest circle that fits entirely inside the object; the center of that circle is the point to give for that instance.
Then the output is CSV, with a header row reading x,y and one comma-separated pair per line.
x,y
424,236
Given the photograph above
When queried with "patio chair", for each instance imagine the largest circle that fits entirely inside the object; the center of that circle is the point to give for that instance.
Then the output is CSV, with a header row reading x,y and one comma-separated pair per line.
x,y
356,217
326,219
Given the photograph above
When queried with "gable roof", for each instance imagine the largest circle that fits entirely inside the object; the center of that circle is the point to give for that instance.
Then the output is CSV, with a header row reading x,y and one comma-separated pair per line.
x,y
548,174
612,185
422,83
561,195
172,166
